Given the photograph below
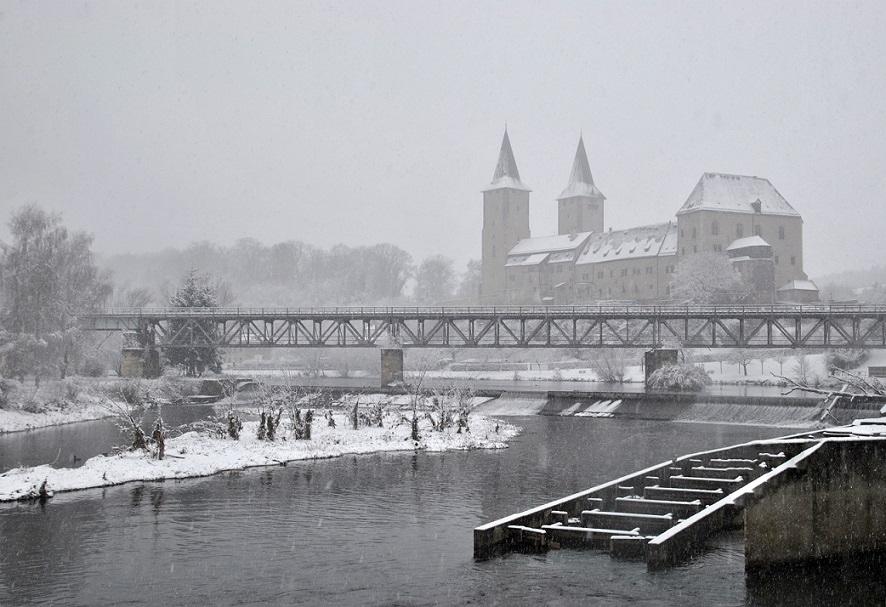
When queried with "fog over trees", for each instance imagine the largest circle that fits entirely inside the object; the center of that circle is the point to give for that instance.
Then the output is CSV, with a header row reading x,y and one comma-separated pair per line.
x,y
295,273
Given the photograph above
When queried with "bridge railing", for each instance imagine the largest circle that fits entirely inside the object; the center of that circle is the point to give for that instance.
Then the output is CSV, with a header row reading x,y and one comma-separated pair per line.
x,y
527,311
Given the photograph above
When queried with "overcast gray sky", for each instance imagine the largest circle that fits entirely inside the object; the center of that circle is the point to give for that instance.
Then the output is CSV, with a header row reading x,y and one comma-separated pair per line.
x,y
155,124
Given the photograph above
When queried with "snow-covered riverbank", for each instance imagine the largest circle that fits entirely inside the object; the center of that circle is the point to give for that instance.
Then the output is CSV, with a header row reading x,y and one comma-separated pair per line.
x,y
19,420
193,454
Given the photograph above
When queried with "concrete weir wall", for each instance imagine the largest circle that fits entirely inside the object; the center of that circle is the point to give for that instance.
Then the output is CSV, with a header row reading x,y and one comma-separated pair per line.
x,y
834,508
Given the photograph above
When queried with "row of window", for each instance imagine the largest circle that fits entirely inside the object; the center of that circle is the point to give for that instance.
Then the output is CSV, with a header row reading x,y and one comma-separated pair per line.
x,y
739,230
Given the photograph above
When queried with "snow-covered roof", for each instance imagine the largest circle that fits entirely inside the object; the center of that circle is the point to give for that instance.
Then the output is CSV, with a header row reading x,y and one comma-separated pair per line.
x,y
738,193
549,244
526,260
506,173
581,182
747,243
633,243
799,285
669,245
561,256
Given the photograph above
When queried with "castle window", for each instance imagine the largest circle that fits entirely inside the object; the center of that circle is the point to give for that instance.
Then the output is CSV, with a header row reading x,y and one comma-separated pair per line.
x,y
600,275
757,230
739,230
781,232
694,249
624,271
681,232
715,229
793,260
649,269
776,259
611,274
693,232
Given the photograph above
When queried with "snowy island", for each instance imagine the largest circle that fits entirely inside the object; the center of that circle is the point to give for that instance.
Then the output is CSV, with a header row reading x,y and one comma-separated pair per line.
x,y
194,454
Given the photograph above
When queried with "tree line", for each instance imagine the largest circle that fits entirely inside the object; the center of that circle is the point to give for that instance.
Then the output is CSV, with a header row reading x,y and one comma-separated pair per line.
x,y
48,274
294,273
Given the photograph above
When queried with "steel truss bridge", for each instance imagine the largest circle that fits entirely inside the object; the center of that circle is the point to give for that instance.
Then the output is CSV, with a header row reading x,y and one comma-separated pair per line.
x,y
633,326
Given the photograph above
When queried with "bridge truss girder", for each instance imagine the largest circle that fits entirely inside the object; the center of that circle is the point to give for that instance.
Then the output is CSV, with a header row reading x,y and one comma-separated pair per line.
x,y
632,327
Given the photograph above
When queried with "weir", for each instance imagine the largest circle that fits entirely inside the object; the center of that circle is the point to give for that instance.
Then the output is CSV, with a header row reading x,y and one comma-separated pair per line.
x,y
799,498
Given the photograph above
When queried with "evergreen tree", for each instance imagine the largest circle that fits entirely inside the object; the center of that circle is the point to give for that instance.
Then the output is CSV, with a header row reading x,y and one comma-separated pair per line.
x,y
195,291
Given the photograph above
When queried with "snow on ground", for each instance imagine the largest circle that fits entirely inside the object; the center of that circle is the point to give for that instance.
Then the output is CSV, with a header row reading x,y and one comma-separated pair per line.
x,y
193,454
757,372
85,409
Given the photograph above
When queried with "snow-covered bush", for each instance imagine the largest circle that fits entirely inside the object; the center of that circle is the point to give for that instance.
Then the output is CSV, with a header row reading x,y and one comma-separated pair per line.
x,y
10,390
686,378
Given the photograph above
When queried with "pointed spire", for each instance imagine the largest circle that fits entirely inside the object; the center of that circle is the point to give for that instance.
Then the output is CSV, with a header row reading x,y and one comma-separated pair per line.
x,y
581,182
506,173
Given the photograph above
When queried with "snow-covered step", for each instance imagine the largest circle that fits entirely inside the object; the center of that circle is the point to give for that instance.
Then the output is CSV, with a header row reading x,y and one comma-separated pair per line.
x,y
649,524
639,505
694,482
706,496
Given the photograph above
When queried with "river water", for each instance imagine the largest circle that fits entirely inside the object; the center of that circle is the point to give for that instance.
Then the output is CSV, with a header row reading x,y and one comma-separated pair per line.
x,y
386,529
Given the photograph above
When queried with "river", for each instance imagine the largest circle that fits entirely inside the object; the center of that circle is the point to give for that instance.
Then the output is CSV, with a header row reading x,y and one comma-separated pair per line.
x,y
386,529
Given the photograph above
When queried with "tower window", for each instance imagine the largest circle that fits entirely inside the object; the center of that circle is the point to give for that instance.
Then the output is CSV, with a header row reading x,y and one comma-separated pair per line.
x,y
781,232
693,232
715,229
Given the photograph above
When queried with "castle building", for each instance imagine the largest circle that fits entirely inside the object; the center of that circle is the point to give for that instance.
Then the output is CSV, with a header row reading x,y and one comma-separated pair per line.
x,y
743,217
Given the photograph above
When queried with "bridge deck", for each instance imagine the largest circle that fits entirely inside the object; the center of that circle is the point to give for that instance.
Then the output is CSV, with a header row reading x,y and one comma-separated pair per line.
x,y
610,326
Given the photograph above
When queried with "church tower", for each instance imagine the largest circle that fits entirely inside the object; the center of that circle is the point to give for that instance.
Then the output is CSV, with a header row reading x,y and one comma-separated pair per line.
x,y
505,220
581,203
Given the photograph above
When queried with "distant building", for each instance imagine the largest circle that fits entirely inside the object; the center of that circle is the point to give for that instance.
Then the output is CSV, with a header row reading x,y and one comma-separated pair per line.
x,y
743,217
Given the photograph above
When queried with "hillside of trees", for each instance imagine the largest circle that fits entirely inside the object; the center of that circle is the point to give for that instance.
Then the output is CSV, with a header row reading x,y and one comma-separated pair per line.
x,y
294,273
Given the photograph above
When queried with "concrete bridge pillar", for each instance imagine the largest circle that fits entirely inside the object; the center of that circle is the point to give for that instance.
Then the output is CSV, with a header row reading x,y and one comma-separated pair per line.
x,y
140,359
656,359
391,366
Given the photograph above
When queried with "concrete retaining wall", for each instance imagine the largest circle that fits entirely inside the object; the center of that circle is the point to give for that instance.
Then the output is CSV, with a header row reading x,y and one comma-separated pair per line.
x,y
834,508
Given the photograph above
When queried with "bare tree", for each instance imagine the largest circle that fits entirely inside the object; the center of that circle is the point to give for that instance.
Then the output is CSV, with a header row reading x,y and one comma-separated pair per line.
x,y
47,277
434,280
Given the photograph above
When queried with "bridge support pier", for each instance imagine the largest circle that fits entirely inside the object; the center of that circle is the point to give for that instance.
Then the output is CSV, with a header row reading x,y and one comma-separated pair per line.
x,y
140,360
656,359
391,366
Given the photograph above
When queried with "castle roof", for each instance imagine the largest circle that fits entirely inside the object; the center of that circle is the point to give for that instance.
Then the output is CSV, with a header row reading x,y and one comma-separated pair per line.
x,y
736,193
581,182
747,243
549,244
798,285
633,243
506,173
